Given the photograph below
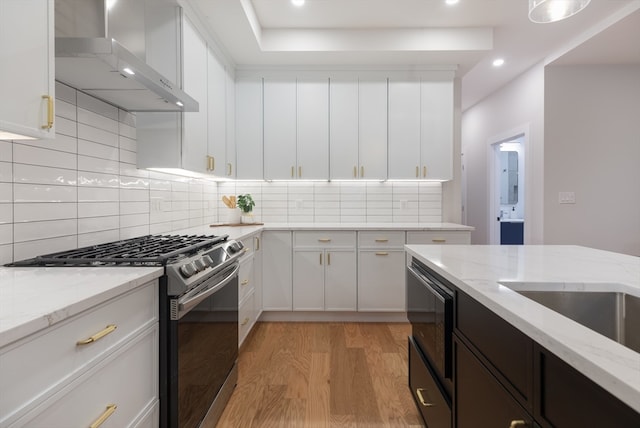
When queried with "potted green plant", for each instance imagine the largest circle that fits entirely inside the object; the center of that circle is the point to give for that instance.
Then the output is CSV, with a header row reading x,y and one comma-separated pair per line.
x,y
246,204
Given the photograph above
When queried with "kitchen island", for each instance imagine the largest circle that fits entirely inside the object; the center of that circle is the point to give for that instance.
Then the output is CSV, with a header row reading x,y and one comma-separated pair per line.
x,y
490,274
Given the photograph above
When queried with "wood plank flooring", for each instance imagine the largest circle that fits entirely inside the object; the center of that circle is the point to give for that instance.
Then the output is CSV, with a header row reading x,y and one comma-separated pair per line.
x,y
323,375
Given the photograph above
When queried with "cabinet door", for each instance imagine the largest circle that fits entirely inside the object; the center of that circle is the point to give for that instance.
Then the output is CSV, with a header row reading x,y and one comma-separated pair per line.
x,y
194,144
257,274
27,71
437,130
480,397
313,129
249,128
308,280
276,271
217,122
340,281
404,129
381,281
343,129
279,129
372,124
230,87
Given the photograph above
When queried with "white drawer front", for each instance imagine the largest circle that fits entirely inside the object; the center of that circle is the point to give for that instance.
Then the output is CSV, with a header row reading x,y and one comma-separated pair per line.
x,y
381,239
128,379
324,239
246,317
439,238
39,363
245,278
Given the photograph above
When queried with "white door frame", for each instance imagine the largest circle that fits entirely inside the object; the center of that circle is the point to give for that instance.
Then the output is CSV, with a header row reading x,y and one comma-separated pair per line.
x,y
493,177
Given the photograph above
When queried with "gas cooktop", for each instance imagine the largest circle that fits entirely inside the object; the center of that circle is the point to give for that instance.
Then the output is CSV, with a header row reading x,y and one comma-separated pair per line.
x,y
149,250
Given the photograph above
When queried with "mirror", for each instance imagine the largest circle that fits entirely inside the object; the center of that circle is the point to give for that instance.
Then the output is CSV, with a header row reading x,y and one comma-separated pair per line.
x,y
509,178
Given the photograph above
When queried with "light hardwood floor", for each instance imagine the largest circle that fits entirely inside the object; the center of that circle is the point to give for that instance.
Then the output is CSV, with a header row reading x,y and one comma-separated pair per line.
x,y
323,375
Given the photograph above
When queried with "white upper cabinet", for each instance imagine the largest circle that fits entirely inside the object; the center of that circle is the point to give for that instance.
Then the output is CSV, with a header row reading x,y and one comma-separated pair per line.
x,y
27,70
404,128
217,122
437,130
313,129
230,90
249,151
358,129
194,146
421,129
296,129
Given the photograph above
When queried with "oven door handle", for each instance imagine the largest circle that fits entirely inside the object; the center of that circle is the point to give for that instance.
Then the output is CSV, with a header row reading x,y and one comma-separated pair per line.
x,y
435,290
189,302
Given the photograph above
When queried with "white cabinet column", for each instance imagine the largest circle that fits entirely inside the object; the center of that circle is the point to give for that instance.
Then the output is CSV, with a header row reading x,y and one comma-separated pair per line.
x,y
372,125
437,129
249,128
280,130
404,129
313,129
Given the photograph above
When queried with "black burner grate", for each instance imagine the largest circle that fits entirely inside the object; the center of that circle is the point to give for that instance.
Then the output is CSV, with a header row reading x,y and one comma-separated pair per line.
x,y
149,250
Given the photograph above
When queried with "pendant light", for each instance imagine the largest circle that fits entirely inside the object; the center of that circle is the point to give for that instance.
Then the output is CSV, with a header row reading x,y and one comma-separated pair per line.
x,y
544,11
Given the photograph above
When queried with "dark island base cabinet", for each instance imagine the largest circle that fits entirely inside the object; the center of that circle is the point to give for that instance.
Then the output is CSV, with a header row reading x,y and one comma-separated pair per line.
x,y
480,400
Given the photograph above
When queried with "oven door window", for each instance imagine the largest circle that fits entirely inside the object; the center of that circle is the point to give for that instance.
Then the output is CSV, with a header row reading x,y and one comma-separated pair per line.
x,y
207,350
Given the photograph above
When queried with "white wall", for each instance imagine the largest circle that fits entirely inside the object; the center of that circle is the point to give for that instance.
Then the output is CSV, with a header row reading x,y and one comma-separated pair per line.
x,y
592,148
505,113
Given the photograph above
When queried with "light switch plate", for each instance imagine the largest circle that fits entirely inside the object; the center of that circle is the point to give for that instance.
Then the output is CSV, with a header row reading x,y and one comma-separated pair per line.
x,y
567,197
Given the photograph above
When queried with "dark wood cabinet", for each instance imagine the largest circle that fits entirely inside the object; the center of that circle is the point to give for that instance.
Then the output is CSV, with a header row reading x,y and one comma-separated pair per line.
x,y
479,398
569,399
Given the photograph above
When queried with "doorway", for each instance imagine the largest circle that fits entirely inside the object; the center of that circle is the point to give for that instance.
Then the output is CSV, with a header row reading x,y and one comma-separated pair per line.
x,y
506,201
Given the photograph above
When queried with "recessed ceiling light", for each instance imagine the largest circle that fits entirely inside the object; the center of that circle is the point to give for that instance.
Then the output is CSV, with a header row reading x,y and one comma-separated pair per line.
x,y
451,2
498,62
128,71
179,104
297,2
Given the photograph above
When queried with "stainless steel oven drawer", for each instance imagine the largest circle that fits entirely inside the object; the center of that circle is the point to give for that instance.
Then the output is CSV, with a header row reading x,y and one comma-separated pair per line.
x,y
427,393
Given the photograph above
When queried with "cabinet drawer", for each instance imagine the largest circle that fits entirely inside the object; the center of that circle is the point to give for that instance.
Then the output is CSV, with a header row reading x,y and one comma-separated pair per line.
x,y
507,349
382,239
245,278
429,397
328,239
40,362
127,378
246,316
439,238
248,244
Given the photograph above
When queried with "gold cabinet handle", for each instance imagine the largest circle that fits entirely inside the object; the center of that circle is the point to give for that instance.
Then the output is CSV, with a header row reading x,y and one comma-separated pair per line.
x,y
246,250
320,258
230,169
361,172
424,172
324,240
213,163
257,243
49,99
517,423
293,168
417,171
299,172
382,240
244,282
244,322
328,258
355,172
99,335
439,240
104,416
421,398
382,253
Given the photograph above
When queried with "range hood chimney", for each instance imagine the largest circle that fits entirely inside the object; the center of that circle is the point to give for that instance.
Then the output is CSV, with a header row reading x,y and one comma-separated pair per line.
x,y
100,50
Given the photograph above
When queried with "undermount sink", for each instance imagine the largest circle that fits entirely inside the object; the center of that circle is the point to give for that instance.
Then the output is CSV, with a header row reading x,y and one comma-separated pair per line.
x,y
612,314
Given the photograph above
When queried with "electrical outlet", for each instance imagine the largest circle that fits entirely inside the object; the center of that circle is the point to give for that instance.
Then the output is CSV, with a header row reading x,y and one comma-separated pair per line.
x,y
567,197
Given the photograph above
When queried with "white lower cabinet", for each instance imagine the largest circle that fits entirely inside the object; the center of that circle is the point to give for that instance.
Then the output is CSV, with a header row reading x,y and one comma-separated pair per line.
x,y
381,285
58,378
276,271
445,237
246,316
249,286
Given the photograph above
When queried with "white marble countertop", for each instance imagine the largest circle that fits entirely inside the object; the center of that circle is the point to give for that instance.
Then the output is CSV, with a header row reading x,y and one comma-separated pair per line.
x,y
32,299
481,271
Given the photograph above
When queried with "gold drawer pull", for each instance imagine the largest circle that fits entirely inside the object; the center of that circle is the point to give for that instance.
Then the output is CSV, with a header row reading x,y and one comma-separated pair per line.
x,y
99,335
517,423
324,240
382,254
439,240
257,243
244,282
299,172
246,250
382,240
417,171
110,409
361,172
292,169
421,398
328,258
230,169
244,322
355,172
424,171
49,99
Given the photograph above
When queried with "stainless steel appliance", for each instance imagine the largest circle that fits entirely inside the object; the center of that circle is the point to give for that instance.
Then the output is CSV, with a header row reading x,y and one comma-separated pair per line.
x,y
198,315
430,311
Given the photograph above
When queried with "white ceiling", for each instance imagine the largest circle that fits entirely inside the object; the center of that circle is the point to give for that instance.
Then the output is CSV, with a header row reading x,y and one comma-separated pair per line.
x,y
420,33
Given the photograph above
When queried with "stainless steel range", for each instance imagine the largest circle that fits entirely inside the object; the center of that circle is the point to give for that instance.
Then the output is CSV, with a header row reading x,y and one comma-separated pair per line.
x,y
198,315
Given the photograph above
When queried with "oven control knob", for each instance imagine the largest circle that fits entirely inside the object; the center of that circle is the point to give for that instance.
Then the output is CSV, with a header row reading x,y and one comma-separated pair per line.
x,y
207,260
200,266
235,247
187,270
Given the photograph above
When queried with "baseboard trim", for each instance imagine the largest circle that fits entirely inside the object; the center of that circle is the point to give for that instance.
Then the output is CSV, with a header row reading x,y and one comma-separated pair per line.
x,y
289,316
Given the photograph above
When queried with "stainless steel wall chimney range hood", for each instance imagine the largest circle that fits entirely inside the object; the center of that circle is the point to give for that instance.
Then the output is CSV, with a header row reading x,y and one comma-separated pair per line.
x,y
100,50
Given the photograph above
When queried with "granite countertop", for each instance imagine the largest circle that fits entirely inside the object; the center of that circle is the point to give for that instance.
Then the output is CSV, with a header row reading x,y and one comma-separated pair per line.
x,y
482,272
32,299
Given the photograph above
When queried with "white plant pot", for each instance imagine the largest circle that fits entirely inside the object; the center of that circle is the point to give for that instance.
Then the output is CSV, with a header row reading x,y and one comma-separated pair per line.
x,y
247,218
233,215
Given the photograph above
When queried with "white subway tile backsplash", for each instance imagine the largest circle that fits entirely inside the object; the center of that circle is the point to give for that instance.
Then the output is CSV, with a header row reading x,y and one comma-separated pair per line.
x,y
97,135
6,213
87,163
65,110
127,143
35,230
134,182
6,193
134,208
6,233
134,195
96,224
30,155
95,238
129,157
97,150
6,254
96,120
127,119
62,143
95,105
44,193
66,93
44,245
132,232
44,211
6,172
95,179
32,174
131,220
131,171
6,150
98,194
66,127
98,209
